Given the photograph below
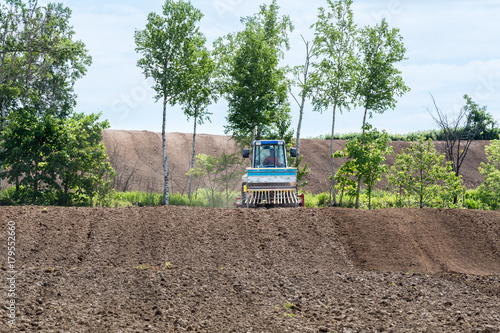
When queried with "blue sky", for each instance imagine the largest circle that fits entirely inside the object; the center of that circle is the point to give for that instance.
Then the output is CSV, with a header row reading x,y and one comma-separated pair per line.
x,y
453,48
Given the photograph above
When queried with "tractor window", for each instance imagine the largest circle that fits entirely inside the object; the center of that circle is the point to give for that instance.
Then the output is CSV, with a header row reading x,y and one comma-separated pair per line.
x,y
270,156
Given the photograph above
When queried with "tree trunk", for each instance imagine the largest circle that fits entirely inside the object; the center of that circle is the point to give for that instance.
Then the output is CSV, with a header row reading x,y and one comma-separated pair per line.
x,y
164,150
331,158
301,113
2,127
358,189
192,158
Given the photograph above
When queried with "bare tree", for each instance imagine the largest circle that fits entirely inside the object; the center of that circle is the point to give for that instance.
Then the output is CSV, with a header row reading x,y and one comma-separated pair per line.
x,y
302,76
126,171
459,132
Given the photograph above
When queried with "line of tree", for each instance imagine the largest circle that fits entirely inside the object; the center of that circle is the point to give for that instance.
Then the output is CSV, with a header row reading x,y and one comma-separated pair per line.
x,y
418,171
351,67
419,174
434,135
345,66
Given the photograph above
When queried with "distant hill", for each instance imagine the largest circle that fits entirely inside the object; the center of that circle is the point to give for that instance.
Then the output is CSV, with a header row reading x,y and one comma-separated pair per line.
x,y
137,156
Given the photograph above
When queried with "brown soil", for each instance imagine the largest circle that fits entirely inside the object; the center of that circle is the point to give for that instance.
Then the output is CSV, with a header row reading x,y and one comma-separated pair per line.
x,y
137,155
166,269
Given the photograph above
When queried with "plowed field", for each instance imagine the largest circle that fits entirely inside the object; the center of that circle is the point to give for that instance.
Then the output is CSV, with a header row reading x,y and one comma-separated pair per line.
x,y
167,269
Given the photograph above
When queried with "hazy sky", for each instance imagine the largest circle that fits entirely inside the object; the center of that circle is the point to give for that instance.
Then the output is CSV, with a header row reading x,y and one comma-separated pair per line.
x,y
453,48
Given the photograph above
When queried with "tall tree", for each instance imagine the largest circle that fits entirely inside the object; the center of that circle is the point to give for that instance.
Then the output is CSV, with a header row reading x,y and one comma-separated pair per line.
x,y
333,80
302,78
250,77
168,45
39,60
200,95
379,80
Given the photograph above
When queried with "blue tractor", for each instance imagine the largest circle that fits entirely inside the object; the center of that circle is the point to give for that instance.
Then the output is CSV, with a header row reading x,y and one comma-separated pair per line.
x,y
269,182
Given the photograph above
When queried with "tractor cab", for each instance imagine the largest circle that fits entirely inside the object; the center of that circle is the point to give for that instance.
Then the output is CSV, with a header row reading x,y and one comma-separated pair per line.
x,y
269,154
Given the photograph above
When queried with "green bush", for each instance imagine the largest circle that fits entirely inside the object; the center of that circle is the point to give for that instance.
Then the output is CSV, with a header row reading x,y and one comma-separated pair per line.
x,y
6,197
135,198
323,199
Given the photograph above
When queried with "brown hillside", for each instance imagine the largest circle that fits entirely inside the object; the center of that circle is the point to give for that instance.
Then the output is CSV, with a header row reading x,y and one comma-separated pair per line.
x,y
136,155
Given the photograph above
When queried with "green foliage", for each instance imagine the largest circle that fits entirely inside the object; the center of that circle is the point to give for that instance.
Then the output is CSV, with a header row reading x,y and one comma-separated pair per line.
x,y
345,184
323,199
383,199
474,199
434,135
63,157
489,190
333,81
365,159
310,200
168,45
419,172
479,123
220,172
250,77
201,198
135,198
201,91
52,155
40,61
379,79
24,195
302,171
7,197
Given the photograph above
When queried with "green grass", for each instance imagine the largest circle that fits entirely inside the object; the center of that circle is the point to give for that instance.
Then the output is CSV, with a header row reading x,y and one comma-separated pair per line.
x,y
201,198
381,199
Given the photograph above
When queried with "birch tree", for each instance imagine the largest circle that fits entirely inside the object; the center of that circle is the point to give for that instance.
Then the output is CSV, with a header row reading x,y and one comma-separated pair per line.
x,y
379,80
302,78
199,96
333,80
167,45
